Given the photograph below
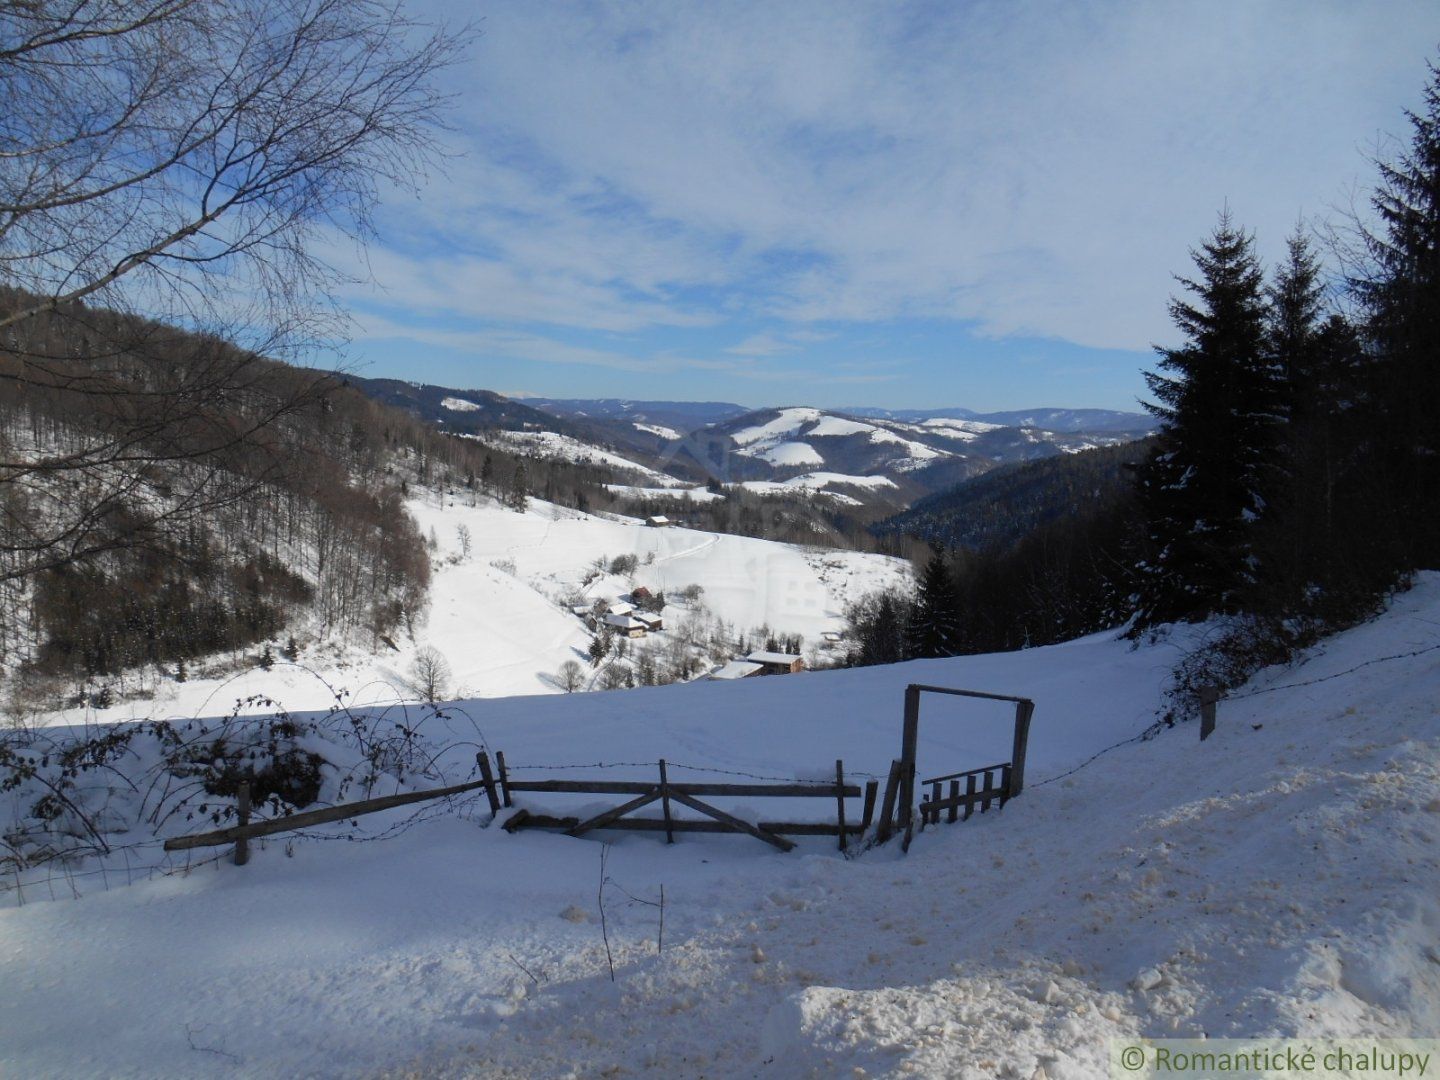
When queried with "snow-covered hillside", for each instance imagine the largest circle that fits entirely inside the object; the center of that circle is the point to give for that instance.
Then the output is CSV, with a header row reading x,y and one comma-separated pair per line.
x,y
1282,878
497,615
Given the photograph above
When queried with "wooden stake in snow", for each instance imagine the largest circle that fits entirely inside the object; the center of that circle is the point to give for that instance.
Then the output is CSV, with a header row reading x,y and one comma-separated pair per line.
x,y
1209,695
242,818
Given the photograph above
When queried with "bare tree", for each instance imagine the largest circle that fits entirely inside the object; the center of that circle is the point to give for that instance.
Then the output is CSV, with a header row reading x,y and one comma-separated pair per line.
x,y
430,674
462,533
190,160
571,676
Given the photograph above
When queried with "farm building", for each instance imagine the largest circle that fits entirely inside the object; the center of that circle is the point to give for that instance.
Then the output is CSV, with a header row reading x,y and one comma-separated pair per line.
x,y
777,663
625,626
652,621
737,669
658,521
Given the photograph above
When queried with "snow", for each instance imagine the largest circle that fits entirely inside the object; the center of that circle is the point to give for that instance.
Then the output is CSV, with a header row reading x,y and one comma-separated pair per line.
x,y
777,441
763,657
504,633
787,423
736,669
552,444
1282,878
819,483
695,494
840,426
825,479
659,429
455,404
793,453
961,429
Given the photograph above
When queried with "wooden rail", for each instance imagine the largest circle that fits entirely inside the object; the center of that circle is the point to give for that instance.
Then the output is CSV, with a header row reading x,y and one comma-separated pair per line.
x,y
239,835
687,794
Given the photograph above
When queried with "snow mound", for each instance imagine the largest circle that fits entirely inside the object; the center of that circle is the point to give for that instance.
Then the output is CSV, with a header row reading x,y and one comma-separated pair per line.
x,y
455,404
793,453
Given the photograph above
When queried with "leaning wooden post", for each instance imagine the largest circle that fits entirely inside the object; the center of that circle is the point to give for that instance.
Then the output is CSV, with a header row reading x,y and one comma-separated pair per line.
x,y
504,777
840,798
908,743
885,824
1024,710
483,760
868,813
1209,695
242,818
665,803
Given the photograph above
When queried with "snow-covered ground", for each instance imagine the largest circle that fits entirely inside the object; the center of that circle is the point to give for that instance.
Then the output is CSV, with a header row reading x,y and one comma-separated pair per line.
x,y
552,444
497,618
1281,878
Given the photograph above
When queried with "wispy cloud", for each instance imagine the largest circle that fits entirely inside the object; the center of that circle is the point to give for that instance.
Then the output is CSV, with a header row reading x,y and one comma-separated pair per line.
x,y
800,169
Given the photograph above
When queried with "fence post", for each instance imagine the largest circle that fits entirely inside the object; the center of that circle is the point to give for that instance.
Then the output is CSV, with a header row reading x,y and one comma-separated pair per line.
x,y
242,818
907,758
665,803
504,777
840,798
885,827
1209,695
483,760
1024,710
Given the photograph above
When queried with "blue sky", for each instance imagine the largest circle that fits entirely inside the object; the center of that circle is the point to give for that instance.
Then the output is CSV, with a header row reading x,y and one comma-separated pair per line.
x,y
897,204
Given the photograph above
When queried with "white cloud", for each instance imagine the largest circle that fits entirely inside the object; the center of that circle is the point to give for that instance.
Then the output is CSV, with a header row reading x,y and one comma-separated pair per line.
x,y
1038,170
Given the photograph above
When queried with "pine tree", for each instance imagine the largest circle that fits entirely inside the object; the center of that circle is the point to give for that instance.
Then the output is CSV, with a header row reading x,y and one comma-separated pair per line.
x,y
934,628
1286,551
1220,406
1402,302
519,489
600,646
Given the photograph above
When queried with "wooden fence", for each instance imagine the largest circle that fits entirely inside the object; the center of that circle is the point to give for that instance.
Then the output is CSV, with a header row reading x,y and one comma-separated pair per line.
x,y
972,796
688,794
896,810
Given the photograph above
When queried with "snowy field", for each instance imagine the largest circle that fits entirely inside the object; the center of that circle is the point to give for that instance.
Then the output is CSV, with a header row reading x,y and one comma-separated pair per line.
x,y
496,616
1281,878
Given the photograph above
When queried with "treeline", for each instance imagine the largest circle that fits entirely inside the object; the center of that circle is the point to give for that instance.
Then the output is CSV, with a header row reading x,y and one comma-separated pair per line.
x,y
164,495
1295,479
998,508
812,520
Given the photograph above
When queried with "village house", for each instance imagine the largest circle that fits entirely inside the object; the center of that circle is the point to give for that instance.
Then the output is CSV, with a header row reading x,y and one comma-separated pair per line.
x,y
625,626
658,521
651,621
737,669
777,663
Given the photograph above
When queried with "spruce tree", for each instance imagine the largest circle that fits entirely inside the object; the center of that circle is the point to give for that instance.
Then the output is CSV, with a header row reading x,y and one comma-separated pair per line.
x,y
1401,297
519,489
1219,402
934,628
1290,533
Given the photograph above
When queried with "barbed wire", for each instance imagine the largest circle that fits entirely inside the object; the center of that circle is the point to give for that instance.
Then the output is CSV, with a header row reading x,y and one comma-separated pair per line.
x,y
1336,675
689,768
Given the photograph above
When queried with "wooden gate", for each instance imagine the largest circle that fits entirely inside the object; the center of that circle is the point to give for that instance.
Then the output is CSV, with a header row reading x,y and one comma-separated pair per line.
x,y
666,791
899,798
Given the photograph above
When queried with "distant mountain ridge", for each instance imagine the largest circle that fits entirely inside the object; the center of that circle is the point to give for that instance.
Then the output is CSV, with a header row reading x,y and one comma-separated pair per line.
x,y
882,459
685,416
1050,419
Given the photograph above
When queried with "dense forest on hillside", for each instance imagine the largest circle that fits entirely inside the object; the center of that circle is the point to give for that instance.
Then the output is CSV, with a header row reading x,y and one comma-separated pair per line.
x,y
164,494
1002,506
